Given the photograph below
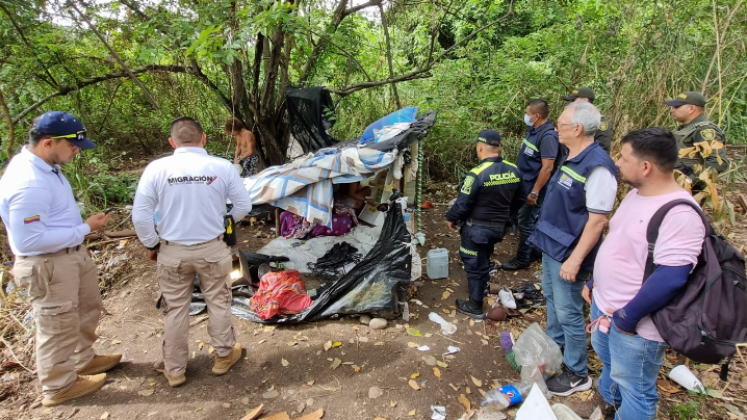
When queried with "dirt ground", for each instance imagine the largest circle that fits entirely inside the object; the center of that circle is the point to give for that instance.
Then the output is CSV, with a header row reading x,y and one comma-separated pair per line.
x,y
287,368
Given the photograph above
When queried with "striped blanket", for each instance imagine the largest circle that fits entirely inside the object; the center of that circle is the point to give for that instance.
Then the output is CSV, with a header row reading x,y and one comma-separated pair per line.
x,y
304,186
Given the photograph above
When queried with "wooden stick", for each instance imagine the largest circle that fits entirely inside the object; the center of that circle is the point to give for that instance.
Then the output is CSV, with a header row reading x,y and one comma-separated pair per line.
x,y
10,348
197,321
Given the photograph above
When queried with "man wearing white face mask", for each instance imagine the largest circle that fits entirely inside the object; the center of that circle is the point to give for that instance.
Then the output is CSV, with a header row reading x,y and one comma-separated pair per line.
x,y
536,161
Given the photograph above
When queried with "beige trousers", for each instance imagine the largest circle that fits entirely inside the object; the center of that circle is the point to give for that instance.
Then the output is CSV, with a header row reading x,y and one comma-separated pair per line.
x,y
177,266
64,292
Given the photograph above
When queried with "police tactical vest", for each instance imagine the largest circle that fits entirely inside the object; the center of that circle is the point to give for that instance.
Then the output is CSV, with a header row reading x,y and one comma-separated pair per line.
x,y
564,213
684,136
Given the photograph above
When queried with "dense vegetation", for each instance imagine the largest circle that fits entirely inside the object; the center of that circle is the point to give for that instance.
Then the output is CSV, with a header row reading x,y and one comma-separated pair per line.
x,y
129,67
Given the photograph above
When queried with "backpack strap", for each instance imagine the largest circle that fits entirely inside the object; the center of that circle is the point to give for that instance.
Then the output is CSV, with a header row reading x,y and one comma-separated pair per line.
x,y
542,136
652,231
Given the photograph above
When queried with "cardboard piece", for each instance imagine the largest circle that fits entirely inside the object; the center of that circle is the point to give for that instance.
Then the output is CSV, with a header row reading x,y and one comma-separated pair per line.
x,y
370,215
535,406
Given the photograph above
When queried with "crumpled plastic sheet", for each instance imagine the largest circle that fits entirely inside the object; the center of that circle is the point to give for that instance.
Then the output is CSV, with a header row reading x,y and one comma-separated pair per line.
x,y
378,283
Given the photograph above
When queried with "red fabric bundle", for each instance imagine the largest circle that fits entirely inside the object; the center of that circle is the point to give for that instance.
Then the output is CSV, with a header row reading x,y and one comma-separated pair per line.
x,y
280,293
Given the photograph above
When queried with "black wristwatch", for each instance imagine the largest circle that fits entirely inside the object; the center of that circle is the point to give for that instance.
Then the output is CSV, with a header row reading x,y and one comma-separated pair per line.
x,y
158,245
533,194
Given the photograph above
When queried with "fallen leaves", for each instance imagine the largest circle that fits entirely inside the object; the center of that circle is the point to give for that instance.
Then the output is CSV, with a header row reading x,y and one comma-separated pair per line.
x,y
335,364
477,382
411,413
115,342
465,402
441,364
284,362
437,372
445,295
413,332
146,392
414,385
666,386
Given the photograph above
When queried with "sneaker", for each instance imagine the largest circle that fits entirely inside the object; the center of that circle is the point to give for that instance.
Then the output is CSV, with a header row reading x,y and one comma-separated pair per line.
x,y
175,381
100,364
566,383
469,308
514,265
84,385
222,364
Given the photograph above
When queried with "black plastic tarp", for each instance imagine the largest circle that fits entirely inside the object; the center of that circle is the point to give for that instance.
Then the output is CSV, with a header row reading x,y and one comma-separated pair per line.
x,y
378,284
311,114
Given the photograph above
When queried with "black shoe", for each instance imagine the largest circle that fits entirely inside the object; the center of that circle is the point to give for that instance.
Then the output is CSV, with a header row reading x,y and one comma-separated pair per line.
x,y
514,265
469,308
566,383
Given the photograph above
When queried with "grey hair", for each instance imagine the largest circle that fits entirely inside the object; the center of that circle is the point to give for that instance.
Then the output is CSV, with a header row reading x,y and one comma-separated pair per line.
x,y
587,116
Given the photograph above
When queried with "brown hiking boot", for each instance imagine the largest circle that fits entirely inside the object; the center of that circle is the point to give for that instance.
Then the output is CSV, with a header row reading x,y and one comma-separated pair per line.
x,y
84,385
100,364
222,364
175,381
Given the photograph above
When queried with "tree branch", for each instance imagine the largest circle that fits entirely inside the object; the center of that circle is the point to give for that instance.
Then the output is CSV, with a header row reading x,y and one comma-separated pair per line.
x,y
52,81
345,53
64,90
389,55
116,56
417,74
350,11
133,7
474,33
11,132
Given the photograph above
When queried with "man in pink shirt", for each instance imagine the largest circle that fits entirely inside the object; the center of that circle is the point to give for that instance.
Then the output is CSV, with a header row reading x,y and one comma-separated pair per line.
x,y
633,350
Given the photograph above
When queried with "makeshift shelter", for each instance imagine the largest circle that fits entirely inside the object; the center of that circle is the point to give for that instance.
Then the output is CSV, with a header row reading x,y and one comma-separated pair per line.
x,y
378,283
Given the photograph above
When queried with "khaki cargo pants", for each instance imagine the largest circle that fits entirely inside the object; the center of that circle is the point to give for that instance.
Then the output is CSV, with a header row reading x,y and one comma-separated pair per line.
x,y
64,292
177,265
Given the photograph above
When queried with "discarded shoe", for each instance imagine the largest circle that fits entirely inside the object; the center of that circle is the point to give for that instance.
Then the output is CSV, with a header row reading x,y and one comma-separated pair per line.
x,y
100,364
507,298
223,364
84,385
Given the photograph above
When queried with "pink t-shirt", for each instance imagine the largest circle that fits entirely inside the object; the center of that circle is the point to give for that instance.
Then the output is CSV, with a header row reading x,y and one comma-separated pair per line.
x,y
621,261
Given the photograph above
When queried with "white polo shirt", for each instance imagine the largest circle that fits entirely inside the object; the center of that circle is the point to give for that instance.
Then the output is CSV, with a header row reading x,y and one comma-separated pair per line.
x,y
190,189
38,207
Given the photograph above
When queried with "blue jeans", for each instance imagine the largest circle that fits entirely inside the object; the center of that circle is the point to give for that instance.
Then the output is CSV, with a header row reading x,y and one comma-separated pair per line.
x,y
475,249
630,365
527,219
565,313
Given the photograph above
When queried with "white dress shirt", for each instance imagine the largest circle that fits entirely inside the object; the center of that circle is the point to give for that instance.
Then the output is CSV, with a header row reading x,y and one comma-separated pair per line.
x,y
38,207
190,189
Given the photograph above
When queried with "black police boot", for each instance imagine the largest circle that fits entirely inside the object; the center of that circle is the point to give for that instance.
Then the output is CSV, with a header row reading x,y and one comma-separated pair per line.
x,y
470,308
514,265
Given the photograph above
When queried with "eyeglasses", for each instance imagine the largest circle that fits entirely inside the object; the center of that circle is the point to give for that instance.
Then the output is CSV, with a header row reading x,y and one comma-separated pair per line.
x,y
79,136
566,124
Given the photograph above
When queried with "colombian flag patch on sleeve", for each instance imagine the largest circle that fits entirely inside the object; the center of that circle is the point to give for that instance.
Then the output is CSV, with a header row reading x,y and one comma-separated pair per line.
x,y
31,219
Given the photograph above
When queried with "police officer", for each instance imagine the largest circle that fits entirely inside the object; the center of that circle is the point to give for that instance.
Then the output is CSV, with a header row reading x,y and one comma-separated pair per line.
x,y
190,189
46,232
489,194
687,109
580,196
536,161
604,133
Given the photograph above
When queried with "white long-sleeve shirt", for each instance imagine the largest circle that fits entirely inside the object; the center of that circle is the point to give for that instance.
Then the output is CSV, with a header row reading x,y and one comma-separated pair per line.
x,y
38,207
190,189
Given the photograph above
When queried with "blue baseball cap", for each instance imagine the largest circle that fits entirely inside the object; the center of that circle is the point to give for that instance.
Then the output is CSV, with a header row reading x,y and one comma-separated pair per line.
x,y
63,125
490,137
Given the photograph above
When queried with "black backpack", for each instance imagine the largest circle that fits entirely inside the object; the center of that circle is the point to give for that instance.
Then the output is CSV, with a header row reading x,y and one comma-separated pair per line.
x,y
708,317
562,150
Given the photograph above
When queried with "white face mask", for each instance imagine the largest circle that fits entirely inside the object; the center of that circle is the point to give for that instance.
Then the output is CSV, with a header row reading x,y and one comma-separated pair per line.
x,y
528,120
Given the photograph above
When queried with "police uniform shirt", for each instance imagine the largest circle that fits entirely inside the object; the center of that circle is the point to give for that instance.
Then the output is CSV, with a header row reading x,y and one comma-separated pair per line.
x,y
603,136
38,207
190,188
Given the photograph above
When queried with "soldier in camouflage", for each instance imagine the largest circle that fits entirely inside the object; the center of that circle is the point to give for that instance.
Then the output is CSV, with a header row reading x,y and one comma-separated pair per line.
x,y
687,109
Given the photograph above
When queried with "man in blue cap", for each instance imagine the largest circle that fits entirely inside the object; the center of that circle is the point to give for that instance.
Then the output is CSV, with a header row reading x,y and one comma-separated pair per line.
x,y
489,194
45,233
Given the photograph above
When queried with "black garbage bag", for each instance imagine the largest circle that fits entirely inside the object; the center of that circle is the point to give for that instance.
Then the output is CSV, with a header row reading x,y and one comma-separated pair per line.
x,y
378,284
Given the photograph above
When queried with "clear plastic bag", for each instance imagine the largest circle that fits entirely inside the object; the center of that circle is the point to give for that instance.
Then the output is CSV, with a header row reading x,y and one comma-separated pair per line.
x,y
535,348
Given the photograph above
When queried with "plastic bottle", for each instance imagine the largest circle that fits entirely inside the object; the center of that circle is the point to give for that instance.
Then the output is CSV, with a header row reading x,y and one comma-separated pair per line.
x,y
499,399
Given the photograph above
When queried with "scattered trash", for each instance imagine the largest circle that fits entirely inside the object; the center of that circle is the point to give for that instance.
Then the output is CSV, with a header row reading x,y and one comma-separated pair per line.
x,y
437,266
419,238
451,350
447,328
535,348
439,412
535,406
563,412
507,298
500,398
685,377
375,392
424,348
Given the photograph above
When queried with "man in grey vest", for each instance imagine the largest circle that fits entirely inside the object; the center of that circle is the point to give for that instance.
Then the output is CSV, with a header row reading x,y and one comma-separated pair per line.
x,y
687,109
